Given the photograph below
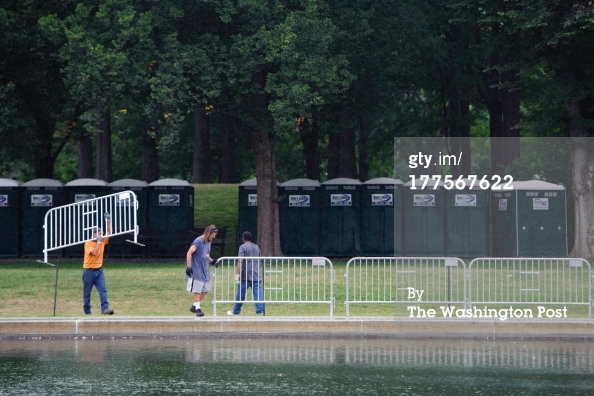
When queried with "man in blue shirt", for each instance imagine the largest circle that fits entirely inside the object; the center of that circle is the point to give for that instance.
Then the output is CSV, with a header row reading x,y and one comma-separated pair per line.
x,y
197,261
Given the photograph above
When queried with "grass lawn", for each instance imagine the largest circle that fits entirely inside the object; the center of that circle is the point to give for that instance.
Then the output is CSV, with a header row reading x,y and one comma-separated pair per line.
x,y
134,289
158,289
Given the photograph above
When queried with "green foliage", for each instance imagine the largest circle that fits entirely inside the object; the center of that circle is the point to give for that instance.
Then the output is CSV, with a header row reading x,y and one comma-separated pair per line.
x,y
382,68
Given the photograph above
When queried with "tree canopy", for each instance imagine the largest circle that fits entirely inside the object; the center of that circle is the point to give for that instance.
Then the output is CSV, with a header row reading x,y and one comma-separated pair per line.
x,y
225,90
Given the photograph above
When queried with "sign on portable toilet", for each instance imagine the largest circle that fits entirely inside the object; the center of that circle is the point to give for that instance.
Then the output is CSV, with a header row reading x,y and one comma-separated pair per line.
x,y
82,189
299,214
341,217
9,217
424,219
38,196
381,217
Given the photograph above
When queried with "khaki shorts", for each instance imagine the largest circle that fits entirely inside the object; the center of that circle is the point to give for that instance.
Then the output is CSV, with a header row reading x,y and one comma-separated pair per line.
x,y
197,286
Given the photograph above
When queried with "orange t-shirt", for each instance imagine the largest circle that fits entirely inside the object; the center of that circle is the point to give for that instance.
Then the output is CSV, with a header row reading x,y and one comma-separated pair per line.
x,y
96,261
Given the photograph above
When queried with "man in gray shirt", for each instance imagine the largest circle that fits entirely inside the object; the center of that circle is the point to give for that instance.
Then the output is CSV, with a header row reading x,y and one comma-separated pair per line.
x,y
248,273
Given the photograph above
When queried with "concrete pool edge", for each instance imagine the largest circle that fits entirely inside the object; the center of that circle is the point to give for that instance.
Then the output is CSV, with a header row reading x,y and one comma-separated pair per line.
x,y
315,327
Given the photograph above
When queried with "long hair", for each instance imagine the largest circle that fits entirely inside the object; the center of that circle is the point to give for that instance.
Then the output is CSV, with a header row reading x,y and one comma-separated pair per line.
x,y
209,230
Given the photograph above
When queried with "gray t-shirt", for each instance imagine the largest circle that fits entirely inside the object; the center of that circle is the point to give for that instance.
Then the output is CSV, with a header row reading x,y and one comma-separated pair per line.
x,y
200,260
250,270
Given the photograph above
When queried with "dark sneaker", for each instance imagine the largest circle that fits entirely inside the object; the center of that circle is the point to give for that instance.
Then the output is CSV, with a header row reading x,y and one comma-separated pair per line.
x,y
107,312
193,309
199,312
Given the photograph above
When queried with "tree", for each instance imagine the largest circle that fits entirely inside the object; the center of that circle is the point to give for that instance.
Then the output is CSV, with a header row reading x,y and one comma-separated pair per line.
x,y
116,52
280,57
32,95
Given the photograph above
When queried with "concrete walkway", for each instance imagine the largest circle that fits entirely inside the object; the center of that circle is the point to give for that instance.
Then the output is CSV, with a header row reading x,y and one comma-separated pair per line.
x,y
316,327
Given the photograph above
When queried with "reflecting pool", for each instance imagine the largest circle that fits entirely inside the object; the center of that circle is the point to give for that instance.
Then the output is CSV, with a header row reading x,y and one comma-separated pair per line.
x,y
294,366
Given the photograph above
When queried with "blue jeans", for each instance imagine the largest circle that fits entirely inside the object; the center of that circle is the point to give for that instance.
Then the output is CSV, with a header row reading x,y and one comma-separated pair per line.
x,y
92,278
257,292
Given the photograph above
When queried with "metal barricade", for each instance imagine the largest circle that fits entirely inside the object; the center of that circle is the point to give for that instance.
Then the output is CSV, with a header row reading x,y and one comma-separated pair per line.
x,y
531,281
284,280
73,224
404,280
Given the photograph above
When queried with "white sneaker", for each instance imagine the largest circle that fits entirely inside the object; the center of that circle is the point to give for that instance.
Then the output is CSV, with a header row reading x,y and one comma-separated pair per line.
x,y
230,313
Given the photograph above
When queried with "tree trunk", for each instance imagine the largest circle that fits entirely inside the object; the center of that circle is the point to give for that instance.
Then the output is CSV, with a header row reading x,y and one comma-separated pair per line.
x,y
364,132
229,171
150,158
310,136
201,158
342,160
457,126
85,157
582,168
268,212
44,160
457,146
103,138
503,105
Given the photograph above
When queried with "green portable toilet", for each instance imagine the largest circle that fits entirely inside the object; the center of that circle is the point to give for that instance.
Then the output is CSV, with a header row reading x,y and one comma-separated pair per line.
x,y
529,220
9,217
340,221
299,214
38,196
118,246
81,190
381,217
424,220
467,220
248,209
171,214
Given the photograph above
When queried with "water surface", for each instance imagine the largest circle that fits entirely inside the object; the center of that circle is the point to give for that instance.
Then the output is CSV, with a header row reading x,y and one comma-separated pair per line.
x,y
296,366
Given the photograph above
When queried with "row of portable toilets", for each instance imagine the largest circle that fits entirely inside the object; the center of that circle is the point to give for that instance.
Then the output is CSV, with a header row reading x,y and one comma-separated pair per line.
x,y
384,217
170,203
337,218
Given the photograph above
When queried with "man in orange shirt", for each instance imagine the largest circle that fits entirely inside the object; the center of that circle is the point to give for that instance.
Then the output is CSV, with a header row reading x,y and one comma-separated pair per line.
x,y
93,268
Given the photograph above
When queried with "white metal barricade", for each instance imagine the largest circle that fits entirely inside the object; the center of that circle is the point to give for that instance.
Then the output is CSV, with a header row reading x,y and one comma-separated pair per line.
x,y
73,224
294,280
531,281
404,280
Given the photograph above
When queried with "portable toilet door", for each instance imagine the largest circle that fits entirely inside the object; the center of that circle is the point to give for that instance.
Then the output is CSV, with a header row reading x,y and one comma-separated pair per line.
x,y
80,190
541,219
467,220
171,213
248,209
424,219
9,217
299,213
38,196
503,213
340,226
381,217
118,246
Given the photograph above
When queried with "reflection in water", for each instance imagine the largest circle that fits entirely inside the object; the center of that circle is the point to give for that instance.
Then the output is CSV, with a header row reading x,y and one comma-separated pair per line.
x,y
294,366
